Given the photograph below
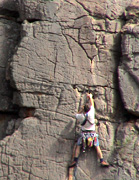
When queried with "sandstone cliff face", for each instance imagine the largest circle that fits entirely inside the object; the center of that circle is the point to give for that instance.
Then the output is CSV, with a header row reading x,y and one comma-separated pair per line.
x,y
52,53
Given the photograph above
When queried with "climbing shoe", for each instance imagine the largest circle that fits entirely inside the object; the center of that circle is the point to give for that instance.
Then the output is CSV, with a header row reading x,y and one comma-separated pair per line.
x,y
104,164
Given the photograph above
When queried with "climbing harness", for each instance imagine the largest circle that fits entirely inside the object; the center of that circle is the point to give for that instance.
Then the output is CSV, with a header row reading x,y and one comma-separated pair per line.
x,y
85,120
89,139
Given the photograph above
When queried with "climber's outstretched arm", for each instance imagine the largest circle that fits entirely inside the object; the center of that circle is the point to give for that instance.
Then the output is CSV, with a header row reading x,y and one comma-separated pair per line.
x,y
90,99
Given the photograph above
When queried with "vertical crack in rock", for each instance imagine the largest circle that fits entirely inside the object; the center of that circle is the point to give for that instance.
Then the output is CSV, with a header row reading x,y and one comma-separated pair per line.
x,y
69,45
55,62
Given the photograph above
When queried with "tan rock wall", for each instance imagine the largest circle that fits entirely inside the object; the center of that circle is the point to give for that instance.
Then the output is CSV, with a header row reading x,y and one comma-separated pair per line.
x,y
67,48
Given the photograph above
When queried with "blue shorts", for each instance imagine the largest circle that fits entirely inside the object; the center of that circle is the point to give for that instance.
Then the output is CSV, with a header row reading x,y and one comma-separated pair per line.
x,y
85,136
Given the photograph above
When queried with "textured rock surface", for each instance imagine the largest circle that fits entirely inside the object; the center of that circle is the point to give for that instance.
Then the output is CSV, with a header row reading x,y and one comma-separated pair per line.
x,y
9,34
129,68
65,49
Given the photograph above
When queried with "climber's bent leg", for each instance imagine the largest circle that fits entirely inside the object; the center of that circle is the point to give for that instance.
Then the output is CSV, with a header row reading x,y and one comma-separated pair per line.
x,y
76,155
72,167
99,153
100,156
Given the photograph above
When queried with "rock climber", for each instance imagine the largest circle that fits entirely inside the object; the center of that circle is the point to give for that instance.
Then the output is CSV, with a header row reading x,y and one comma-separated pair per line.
x,y
88,133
